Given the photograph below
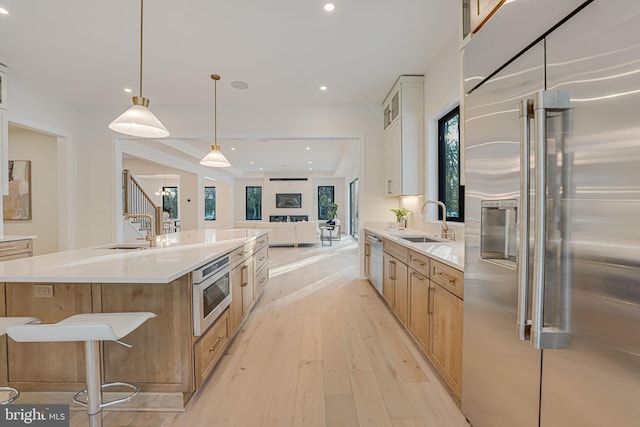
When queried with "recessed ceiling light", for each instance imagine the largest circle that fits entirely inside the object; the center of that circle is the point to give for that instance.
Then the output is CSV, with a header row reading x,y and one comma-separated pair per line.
x,y
309,161
238,84
261,168
329,7
233,148
308,148
126,89
310,169
3,11
252,162
323,88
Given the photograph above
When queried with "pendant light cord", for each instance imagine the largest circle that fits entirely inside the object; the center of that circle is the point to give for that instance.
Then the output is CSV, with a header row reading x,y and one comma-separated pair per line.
x,y
141,15
215,78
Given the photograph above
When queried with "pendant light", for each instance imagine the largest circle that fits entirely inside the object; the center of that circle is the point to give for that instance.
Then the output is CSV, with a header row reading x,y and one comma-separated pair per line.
x,y
138,120
215,158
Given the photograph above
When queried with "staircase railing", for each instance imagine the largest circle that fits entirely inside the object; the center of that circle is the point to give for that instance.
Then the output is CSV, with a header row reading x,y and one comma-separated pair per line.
x,y
137,201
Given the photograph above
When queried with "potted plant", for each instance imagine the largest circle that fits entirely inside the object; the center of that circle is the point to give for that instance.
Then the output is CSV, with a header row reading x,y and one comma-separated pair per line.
x,y
401,217
332,208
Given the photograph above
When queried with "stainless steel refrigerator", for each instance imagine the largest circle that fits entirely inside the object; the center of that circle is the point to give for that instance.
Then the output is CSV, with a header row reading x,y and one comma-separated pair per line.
x,y
552,262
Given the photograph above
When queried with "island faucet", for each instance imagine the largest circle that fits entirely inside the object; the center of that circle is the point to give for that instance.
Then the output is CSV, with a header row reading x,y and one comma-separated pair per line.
x,y
444,233
151,235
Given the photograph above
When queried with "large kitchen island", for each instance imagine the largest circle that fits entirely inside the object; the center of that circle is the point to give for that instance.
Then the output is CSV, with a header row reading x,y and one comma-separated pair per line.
x,y
168,361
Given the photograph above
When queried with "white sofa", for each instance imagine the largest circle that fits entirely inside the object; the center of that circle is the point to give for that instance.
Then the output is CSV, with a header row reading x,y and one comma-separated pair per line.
x,y
287,233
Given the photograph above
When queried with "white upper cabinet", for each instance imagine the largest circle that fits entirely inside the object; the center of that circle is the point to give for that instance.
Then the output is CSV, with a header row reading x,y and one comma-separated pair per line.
x,y
403,140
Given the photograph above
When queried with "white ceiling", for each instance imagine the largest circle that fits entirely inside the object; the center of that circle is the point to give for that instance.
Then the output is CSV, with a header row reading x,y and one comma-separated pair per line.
x,y
87,52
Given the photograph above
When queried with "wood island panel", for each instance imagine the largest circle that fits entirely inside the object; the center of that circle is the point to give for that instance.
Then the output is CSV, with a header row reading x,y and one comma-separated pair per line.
x,y
41,366
161,358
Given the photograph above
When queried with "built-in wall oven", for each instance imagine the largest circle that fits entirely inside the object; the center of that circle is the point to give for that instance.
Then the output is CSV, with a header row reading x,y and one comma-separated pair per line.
x,y
211,293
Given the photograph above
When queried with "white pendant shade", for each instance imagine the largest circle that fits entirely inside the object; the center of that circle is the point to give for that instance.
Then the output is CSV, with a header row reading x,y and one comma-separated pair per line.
x,y
215,158
139,121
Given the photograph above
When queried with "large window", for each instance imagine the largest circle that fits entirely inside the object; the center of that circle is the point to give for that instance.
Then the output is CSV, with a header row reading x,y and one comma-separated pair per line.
x,y
170,201
450,192
209,203
253,204
325,202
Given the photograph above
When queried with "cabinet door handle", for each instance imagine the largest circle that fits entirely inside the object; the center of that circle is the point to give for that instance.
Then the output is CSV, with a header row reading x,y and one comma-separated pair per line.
x,y
430,309
417,276
244,273
446,276
388,186
392,276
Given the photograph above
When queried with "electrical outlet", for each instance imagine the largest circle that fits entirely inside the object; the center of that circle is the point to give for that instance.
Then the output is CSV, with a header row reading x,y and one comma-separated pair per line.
x,y
43,291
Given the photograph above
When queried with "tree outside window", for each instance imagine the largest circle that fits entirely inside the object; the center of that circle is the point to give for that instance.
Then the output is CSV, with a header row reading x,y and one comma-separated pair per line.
x,y
325,202
450,192
170,201
209,203
253,203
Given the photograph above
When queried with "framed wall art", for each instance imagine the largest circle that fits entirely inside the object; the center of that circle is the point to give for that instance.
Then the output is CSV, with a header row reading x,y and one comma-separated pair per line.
x,y
17,204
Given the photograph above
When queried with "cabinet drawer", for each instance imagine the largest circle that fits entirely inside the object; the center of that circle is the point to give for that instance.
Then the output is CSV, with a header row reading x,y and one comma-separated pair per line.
x,y
260,259
16,249
261,242
210,347
396,250
240,254
262,278
419,262
448,277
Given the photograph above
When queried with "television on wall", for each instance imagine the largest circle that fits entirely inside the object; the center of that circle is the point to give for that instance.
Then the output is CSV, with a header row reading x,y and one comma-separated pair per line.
x,y
288,200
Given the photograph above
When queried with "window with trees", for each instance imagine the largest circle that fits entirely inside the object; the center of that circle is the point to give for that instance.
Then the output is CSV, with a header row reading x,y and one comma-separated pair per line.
x,y
253,203
326,202
209,203
170,201
450,192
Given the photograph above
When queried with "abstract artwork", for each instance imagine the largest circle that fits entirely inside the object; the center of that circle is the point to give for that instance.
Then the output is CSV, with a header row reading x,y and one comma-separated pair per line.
x,y
17,205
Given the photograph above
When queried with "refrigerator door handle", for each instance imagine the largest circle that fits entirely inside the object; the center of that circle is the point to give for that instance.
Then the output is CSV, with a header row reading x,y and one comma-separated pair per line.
x,y
543,336
523,321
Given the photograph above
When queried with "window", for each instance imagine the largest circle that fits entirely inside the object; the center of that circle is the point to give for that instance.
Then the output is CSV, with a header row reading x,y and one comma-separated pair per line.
x,y
450,192
209,203
253,203
325,202
170,201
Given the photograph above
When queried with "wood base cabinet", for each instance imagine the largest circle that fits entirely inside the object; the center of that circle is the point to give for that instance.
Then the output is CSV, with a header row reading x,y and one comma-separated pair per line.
x,y
395,286
445,349
419,312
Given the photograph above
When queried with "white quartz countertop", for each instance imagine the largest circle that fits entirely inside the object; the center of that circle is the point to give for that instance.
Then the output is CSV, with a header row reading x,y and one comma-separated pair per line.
x,y
9,238
175,255
446,251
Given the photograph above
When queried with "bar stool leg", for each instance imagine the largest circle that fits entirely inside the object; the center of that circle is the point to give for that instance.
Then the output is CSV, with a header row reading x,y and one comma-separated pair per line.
x,y
94,383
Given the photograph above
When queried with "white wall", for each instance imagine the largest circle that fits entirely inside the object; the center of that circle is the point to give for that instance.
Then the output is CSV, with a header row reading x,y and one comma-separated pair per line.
x,y
442,94
41,150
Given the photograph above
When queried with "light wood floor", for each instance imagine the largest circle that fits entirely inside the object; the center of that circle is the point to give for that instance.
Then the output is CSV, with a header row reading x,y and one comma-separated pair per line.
x,y
319,349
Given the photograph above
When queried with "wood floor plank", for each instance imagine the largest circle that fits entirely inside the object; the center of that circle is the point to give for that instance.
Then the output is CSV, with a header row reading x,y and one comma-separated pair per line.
x,y
310,398
340,410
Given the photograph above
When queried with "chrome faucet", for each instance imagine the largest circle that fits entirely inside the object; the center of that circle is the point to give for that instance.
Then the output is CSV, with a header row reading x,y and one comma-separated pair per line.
x,y
444,233
151,235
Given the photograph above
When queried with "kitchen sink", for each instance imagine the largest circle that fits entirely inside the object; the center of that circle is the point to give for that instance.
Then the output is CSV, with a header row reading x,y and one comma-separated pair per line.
x,y
125,246
420,239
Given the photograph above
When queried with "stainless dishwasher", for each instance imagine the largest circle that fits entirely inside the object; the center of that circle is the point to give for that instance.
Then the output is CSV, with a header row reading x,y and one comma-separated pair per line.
x,y
376,262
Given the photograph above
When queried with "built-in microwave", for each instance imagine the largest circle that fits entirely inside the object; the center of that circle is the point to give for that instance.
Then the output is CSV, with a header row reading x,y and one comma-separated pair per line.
x,y
211,293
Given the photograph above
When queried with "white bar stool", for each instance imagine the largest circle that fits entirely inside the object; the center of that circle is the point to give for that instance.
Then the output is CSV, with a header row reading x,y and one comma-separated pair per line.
x,y
4,322
90,328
